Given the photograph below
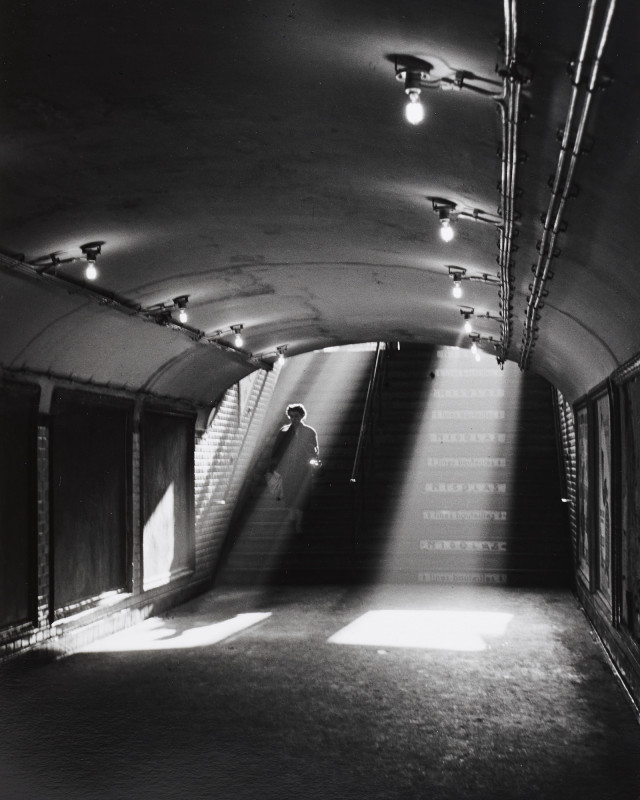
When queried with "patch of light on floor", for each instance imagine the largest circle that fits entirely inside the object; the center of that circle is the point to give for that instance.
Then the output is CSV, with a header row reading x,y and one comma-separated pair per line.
x,y
161,634
427,630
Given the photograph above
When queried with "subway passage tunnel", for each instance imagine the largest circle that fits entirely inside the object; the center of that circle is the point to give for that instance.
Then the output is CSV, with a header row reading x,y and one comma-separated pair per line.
x,y
191,193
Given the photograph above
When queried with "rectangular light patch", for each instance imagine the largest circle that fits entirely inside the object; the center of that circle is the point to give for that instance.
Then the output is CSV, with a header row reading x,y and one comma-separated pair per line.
x,y
471,578
464,545
427,630
466,516
464,393
158,633
465,488
468,414
471,372
452,461
468,438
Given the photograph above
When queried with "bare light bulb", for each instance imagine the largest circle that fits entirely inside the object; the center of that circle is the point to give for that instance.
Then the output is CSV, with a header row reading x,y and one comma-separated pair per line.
x,y
467,326
183,316
91,273
414,110
457,289
446,230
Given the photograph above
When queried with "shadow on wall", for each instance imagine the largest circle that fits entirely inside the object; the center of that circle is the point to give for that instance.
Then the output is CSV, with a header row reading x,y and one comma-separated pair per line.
x,y
392,490
539,544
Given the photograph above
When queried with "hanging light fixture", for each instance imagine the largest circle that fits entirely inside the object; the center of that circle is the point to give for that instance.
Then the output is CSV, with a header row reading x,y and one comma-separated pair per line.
x,y
91,252
446,229
238,340
457,274
281,351
181,304
414,110
415,73
467,312
447,214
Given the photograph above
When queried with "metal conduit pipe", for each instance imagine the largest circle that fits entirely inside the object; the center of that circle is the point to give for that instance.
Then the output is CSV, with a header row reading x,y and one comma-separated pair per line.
x,y
559,197
103,297
509,108
366,413
552,231
505,177
504,256
535,292
507,279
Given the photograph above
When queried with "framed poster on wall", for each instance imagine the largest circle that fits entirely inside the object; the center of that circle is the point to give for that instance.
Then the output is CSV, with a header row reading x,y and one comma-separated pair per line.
x,y
603,500
582,437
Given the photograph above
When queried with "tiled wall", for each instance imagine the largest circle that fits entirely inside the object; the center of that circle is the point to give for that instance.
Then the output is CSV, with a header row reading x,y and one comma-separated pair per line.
x,y
567,433
43,526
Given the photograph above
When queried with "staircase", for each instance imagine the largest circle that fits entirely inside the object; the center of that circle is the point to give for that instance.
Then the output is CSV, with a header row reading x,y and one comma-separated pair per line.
x,y
332,387
464,486
459,480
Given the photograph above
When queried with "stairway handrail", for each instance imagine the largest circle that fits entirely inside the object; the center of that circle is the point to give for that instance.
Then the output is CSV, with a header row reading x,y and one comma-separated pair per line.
x,y
366,413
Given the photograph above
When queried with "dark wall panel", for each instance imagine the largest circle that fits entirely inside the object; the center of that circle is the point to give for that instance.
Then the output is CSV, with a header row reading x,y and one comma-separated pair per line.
x,y
18,502
90,495
630,507
168,497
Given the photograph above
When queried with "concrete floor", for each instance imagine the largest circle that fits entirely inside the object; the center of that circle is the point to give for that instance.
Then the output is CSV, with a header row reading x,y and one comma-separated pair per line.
x,y
388,692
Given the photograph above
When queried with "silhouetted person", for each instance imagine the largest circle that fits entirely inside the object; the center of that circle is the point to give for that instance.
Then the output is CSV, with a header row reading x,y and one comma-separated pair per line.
x,y
294,456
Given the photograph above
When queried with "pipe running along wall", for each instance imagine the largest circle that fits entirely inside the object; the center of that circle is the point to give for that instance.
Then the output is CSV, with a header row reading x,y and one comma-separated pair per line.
x,y
562,182
509,105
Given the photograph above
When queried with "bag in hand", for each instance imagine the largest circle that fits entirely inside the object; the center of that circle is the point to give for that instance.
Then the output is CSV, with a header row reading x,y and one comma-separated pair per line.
x,y
274,484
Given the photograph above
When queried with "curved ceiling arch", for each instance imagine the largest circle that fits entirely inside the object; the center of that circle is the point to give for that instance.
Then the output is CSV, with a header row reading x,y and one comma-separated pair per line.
x,y
257,161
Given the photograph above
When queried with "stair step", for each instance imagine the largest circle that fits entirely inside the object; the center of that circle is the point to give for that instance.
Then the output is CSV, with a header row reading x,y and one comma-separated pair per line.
x,y
413,376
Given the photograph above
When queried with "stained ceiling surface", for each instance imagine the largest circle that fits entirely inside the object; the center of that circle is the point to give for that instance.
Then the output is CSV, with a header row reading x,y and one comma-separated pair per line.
x,y
253,158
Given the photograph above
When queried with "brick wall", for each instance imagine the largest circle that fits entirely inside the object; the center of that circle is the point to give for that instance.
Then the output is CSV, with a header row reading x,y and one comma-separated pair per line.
x,y
566,427
223,456
43,527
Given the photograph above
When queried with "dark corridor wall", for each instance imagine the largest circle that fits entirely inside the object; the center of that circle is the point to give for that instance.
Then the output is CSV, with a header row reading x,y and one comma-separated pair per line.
x,y
18,524
90,481
98,488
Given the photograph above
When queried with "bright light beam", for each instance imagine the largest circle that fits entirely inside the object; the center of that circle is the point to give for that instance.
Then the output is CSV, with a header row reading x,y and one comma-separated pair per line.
x,y
425,630
159,634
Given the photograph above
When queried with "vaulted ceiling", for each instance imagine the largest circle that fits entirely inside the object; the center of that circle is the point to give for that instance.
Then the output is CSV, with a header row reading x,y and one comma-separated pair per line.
x,y
254,156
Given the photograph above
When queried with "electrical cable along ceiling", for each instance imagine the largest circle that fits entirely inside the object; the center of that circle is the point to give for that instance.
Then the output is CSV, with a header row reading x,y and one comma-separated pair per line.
x,y
192,191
